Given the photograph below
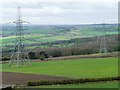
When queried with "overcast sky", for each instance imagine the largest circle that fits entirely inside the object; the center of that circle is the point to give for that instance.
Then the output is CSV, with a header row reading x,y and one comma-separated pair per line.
x,y
61,11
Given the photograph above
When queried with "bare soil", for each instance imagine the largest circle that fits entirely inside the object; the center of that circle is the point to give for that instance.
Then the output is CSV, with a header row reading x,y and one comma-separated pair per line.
x,y
9,78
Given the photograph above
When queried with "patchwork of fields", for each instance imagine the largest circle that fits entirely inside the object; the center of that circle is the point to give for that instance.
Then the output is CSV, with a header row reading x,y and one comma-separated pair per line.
x,y
71,68
41,34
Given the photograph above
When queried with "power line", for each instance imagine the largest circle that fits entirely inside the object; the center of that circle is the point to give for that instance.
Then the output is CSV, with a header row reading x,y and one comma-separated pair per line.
x,y
103,44
19,55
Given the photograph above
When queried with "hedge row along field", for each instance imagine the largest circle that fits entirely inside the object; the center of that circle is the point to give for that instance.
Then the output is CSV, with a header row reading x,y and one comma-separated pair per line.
x,y
71,81
111,84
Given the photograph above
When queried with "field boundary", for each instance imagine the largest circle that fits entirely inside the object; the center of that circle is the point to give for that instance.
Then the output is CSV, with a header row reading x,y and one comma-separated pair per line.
x,y
71,81
98,55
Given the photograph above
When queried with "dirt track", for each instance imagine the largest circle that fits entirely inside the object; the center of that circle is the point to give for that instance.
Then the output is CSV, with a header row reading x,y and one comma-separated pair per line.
x,y
9,78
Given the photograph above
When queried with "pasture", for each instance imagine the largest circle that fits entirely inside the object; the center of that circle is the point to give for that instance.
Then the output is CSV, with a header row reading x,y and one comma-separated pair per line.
x,y
77,68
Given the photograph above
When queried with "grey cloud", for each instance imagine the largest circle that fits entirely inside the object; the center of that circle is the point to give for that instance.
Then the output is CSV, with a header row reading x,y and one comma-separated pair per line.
x,y
73,12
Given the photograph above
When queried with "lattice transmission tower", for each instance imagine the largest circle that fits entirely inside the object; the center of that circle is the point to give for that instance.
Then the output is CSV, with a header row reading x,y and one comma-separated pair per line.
x,y
103,44
19,55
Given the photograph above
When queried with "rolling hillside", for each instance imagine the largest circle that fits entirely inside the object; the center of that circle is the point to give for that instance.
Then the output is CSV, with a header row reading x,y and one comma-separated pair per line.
x,y
38,34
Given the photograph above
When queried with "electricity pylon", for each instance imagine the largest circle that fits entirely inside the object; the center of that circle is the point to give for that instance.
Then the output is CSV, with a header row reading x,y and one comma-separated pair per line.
x,y
19,55
103,44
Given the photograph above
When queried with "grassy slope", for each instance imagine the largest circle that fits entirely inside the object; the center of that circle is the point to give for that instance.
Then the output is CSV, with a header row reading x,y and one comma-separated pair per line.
x,y
113,84
83,68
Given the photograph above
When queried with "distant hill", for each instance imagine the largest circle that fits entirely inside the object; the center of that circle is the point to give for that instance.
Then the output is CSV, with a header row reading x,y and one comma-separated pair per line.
x,y
41,34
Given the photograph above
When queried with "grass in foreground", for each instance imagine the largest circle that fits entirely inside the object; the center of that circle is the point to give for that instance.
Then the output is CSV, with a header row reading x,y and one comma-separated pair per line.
x,y
80,68
113,84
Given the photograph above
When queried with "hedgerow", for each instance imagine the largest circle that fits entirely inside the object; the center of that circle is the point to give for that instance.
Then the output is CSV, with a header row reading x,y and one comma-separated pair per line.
x,y
70,81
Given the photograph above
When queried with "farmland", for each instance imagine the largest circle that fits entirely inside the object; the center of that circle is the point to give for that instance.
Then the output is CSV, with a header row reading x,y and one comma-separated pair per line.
x,y
78,68
37,34
48,38
62,37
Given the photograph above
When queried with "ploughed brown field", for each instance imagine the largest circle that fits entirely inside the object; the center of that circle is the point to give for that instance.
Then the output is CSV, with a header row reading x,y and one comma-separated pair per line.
x,y
9,78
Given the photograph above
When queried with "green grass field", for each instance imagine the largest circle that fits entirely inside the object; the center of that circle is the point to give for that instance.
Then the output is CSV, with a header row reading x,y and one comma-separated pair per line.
x,y
79,68
113,84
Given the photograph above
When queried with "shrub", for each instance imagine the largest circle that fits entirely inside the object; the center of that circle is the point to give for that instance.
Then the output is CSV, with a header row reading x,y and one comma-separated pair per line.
x,y
5,58
56,53
70,81
43,55
31,55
